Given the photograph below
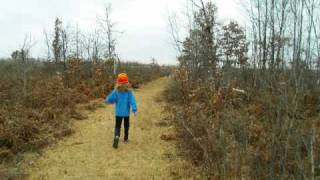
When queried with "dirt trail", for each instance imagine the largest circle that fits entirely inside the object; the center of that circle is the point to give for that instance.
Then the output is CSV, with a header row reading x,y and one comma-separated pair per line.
x,y
88,153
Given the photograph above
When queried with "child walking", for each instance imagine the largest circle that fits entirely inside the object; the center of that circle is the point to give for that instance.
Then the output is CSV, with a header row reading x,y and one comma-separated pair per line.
x,y
124,100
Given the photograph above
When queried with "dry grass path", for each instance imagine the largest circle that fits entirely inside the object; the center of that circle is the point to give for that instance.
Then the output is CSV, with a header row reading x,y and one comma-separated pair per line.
x,y
88,153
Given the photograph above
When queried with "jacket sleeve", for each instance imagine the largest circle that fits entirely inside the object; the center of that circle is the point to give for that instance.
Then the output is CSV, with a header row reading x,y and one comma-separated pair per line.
x,y
112,97
133,103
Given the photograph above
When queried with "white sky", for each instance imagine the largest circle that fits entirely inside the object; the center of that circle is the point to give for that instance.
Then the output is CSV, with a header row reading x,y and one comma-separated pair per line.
x,y
144,23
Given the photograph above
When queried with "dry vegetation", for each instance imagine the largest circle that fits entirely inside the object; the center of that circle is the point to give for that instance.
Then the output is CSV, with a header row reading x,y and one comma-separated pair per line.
x,y
245,102
251,117
39,97
88,153
39,113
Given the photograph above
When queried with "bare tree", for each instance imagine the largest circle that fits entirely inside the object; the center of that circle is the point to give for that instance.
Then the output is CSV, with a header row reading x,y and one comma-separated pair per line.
x,y
174,31
22,56
48,44
65,46
97,46
56,44
108,28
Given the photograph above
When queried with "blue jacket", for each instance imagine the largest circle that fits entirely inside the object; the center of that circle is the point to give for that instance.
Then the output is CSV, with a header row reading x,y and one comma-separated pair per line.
x,y
124,101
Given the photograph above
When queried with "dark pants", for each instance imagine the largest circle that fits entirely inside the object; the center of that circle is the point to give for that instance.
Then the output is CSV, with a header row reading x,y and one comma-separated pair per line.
x,y
118,127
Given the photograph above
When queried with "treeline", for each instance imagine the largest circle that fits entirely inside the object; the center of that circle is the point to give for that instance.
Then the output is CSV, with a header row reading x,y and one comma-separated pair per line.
x,y
246,103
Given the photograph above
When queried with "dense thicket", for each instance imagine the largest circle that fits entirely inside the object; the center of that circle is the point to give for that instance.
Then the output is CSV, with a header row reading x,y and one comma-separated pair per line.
x,y
251,116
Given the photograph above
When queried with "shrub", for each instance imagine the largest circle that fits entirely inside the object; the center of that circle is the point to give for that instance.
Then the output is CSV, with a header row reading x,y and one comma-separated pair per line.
x,y
36,107
258,133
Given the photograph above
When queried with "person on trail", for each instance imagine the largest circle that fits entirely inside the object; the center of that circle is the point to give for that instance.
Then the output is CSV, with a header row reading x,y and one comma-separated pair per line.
x,y
124,100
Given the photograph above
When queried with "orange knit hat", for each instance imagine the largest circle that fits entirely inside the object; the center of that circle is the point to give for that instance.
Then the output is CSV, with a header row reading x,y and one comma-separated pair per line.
x,y
123,78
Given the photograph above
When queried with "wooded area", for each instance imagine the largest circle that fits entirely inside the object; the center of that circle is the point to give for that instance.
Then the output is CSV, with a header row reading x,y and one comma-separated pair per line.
x,y
247,101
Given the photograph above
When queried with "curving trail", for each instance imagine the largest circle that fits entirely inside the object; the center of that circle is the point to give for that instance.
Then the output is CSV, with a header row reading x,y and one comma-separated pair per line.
x,y
88,153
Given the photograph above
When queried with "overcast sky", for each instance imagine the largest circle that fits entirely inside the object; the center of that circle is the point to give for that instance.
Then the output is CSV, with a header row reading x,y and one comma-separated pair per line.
x,y
144,23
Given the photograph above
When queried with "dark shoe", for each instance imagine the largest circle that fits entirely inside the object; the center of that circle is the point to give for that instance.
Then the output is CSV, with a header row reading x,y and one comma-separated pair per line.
x,y
126,141
115,142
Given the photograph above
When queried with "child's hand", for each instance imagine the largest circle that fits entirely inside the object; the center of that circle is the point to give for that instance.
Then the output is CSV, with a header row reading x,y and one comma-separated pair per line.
x,y
135,114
